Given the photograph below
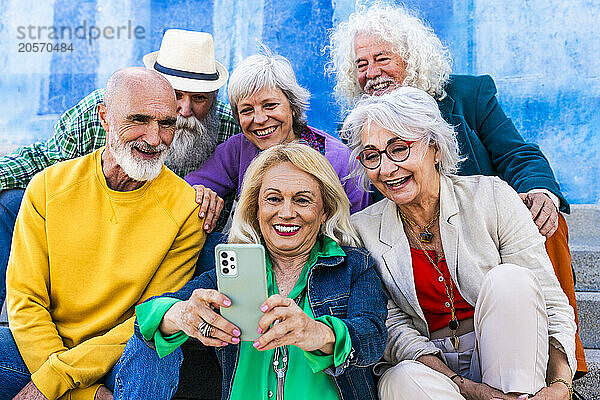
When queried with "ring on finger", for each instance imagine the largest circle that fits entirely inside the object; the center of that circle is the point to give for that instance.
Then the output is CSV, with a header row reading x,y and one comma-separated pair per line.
x,y
211,330
205,329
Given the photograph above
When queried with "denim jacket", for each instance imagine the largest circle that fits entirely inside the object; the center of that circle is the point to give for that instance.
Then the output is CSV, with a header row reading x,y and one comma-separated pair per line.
x,y
344,287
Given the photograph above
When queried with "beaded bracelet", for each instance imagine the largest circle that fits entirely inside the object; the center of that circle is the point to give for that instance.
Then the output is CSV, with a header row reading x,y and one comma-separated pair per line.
x,y
561,380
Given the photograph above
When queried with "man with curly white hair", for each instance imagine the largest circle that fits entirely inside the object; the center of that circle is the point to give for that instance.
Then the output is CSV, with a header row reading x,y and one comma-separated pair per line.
x,y
382,47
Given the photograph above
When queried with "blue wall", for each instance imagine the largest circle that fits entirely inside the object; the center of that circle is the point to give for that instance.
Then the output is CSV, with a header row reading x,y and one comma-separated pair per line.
x,y
543,56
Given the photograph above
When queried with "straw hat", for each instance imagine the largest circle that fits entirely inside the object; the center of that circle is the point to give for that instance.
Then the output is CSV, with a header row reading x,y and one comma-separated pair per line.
x,y
187,60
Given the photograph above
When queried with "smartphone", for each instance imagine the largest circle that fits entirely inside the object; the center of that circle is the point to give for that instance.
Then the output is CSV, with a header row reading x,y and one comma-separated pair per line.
x,y
242,276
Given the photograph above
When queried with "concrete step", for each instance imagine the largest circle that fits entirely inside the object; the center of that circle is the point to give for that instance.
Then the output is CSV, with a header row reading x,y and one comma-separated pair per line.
x,y
586,263
584,242
589,385
584,225
588,309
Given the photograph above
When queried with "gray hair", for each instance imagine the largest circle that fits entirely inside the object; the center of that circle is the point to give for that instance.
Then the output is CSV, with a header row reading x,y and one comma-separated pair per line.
x,y
245,228
410,114
261,71
428,62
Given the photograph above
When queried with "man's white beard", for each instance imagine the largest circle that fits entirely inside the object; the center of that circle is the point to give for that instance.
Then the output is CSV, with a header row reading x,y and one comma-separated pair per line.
x,y
193,143
136,168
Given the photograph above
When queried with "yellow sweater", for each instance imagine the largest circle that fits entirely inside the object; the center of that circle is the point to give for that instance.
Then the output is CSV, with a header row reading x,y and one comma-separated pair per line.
x,y
82,257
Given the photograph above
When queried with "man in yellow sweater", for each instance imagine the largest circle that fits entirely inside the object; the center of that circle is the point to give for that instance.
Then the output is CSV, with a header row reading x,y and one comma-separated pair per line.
x,y
94,237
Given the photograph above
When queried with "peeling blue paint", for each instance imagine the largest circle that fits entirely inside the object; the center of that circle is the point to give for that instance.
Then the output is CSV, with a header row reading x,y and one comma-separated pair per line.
x,y
64,86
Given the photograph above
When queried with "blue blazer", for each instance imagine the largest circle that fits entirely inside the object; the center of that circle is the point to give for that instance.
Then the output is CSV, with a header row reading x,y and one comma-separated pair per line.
x,y
490,140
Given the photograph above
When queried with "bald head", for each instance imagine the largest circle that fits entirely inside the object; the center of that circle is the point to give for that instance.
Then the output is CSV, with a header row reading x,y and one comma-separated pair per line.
x,y
135,81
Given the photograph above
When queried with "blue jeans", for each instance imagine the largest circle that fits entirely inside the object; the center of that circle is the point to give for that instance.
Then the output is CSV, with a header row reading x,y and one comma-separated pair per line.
x,y
14,375
143,375
13,372
10,202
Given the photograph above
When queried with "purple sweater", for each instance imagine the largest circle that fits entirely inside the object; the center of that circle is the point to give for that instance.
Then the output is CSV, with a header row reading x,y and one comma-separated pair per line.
x,y
224,170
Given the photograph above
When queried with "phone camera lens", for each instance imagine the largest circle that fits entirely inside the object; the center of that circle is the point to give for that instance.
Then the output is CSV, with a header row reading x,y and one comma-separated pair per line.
x,y
232,266
224,262
224,254
225,270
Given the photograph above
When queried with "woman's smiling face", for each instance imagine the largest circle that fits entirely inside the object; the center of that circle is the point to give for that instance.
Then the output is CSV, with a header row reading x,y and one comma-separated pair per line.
x,y
290,210
266,118
407,182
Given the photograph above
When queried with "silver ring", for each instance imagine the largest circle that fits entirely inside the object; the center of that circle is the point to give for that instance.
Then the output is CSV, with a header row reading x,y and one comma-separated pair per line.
x,y
205,329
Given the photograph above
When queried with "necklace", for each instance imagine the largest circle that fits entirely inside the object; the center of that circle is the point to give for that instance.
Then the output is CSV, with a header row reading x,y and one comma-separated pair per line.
x,y
425,236
280,362
453,324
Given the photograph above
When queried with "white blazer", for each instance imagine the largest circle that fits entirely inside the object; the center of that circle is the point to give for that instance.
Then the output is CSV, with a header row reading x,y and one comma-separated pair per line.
x,y
483,223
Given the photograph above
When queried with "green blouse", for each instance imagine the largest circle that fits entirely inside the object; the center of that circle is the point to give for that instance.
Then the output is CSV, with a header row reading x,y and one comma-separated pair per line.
x,y
254,376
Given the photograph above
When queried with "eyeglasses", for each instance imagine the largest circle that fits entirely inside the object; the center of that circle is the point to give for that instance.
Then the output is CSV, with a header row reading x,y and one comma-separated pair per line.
x,y
397,151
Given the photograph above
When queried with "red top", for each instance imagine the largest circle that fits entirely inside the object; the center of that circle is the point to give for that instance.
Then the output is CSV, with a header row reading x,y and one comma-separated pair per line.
x,y
432,294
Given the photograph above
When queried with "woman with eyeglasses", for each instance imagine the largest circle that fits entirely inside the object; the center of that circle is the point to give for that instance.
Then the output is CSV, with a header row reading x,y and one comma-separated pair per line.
x,y
475,309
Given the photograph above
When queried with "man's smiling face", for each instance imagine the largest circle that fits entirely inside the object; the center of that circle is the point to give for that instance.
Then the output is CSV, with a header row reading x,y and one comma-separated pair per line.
x,y
378,68
141,125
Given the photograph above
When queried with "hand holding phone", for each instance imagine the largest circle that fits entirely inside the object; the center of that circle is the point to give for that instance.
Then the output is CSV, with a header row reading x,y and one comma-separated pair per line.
x,y
285,323
191,315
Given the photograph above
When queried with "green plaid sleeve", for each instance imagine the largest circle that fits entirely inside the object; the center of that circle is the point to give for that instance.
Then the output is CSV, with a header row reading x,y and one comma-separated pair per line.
x,y
77,132
227,125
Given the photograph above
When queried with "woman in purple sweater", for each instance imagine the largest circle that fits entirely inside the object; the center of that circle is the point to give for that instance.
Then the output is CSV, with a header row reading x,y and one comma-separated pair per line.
x,y
270,106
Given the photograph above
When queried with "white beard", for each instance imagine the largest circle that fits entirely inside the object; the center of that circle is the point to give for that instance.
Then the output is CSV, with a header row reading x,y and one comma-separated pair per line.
x,y
193,143
136,168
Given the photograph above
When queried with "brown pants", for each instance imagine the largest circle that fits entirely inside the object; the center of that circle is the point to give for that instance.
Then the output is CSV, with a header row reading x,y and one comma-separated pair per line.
x,y
557,247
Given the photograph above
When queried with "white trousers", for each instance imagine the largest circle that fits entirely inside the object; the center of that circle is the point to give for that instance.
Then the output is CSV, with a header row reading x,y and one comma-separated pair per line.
x,y
510,344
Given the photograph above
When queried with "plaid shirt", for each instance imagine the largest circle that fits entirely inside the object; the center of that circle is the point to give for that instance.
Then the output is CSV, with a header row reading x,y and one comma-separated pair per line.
x,y
78,132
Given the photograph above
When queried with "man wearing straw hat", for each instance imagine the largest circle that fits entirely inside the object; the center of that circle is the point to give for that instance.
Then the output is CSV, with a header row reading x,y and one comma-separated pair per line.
x,y
186,59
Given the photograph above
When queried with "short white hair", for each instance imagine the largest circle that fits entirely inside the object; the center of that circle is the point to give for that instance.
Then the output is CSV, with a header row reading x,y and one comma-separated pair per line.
x,y
261,71
245,228
409,113
428,62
